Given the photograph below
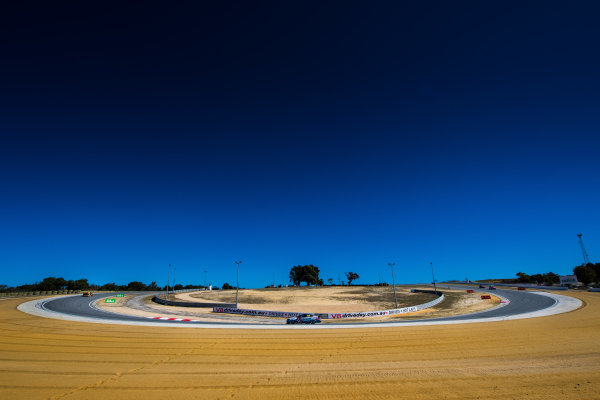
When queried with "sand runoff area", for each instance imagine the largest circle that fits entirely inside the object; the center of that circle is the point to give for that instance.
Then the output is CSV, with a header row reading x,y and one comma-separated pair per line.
x,y
554,357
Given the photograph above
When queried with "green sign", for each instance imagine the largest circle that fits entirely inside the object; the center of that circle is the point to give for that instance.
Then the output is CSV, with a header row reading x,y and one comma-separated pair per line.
x,y
110,300
120,295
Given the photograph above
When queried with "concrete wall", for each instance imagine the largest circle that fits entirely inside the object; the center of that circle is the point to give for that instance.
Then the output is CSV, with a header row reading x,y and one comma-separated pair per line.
x,y
158,300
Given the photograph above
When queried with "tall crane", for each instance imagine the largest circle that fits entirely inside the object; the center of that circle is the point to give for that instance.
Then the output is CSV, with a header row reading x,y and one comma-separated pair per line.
x,y
586,258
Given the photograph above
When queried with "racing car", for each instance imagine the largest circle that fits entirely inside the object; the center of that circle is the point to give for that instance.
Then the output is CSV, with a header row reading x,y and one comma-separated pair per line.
x,y
304,319
87,294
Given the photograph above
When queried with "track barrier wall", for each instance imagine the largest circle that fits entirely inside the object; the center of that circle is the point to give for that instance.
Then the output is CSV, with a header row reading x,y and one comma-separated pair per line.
x,y
164,302
38,293
258,313
529,286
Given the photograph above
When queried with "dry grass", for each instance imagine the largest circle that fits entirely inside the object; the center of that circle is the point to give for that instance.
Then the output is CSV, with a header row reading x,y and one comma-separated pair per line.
x,y
317,299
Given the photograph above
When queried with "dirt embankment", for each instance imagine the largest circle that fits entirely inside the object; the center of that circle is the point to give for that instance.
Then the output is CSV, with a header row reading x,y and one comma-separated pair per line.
x,y
315,299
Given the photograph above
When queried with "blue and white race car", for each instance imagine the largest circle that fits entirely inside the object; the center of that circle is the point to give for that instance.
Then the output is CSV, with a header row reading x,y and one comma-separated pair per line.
x,y
304,319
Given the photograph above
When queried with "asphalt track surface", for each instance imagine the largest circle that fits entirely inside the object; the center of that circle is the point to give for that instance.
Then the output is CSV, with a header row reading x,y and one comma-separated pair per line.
x,y
519,302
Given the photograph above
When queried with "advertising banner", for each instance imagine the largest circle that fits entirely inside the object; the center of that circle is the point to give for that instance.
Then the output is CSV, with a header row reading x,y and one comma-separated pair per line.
x,y
358,314
568,280
404,310
368,314
260,313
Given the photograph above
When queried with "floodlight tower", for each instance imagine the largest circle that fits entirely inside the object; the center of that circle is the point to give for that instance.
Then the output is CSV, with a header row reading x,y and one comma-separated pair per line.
x,y
433,275
174,272
237,285
586,258
168,277
391,264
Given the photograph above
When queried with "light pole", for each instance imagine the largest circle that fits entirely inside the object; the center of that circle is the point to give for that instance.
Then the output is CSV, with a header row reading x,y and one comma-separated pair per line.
x,y
237,285
394,282
168,277
205,272
433,276
174,272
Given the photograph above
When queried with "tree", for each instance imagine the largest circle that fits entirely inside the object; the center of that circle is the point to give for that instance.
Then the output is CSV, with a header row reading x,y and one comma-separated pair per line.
x,y
551,277
227,286
304,273
194,287
537,278
153,286
136,286
585,274
295,275
111,287
548,278
330,280
351,276
596,268
311,275
80,284
51,283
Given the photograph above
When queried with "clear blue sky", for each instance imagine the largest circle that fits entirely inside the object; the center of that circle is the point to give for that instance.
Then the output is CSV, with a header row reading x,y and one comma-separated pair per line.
x,y
344,135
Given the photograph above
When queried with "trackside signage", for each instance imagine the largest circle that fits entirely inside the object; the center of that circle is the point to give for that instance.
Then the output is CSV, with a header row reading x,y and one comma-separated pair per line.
x,y
109,300
568,280
359,314
261,313
368,314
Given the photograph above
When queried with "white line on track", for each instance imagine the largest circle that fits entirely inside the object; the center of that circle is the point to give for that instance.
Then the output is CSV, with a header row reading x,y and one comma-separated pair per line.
x,y
175,319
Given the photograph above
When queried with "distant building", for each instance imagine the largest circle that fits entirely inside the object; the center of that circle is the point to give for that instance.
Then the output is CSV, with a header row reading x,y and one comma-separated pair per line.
x,y
568,280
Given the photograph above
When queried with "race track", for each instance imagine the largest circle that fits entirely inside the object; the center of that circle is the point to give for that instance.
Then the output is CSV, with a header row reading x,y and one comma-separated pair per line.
x,y
520,304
